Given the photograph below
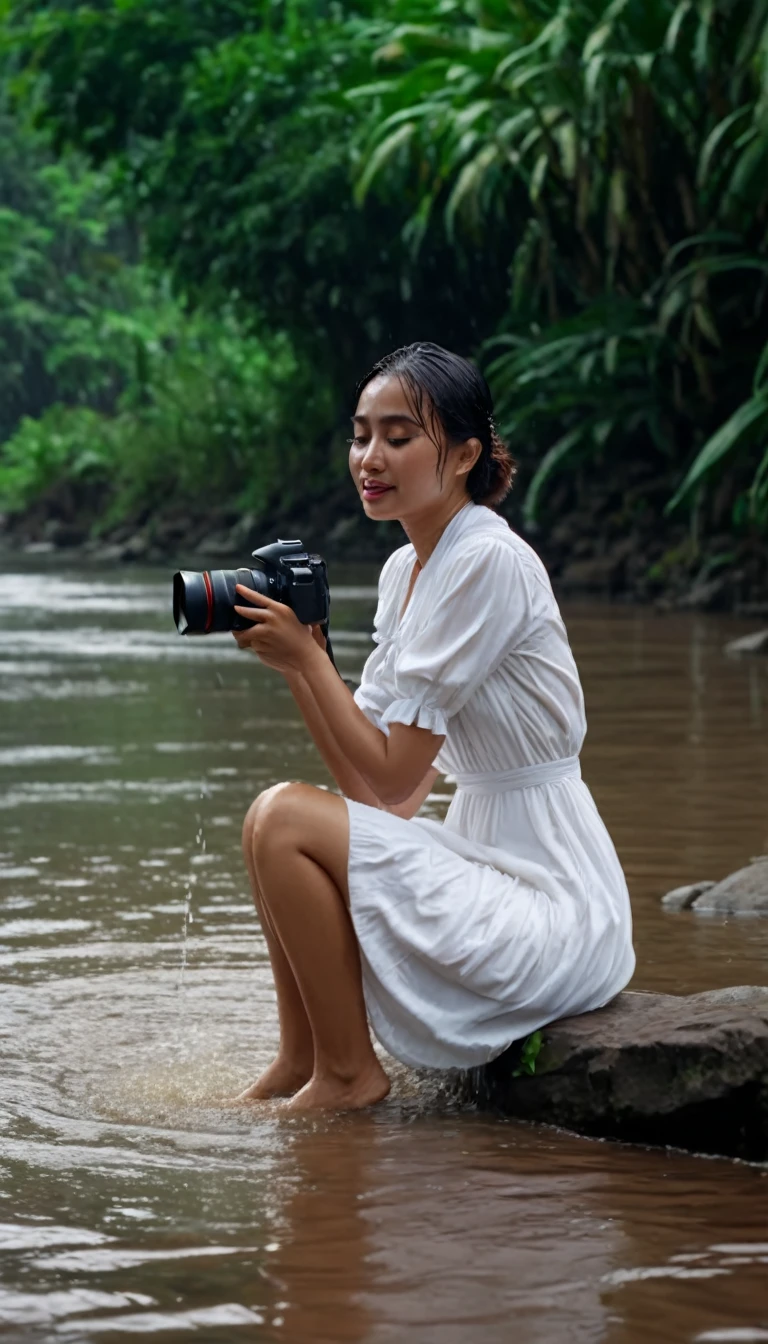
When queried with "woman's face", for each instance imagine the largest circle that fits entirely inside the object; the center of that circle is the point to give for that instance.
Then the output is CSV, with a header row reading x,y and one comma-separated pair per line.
x,y
394,462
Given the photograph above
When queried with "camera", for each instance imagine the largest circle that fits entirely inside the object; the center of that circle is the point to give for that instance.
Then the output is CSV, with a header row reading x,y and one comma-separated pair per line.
x,y
284,571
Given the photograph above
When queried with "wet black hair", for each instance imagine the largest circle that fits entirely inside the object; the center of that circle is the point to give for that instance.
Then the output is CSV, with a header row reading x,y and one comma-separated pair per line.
x,y
447,390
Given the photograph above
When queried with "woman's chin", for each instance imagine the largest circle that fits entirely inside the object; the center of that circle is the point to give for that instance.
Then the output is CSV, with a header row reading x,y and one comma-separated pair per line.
x,y
381,510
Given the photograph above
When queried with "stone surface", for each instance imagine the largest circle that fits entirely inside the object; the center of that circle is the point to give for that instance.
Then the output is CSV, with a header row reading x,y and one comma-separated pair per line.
x,y
598,573
754,643
136,547
744,892
38,548
734,994
685,1071
682,898
111,553
706,595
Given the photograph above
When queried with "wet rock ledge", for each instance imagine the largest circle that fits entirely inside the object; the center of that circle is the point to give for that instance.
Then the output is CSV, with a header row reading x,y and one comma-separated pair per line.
x,y
682,1071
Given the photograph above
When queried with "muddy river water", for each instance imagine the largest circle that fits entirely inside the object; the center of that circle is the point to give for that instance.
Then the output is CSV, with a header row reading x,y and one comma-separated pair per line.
x,y
135,994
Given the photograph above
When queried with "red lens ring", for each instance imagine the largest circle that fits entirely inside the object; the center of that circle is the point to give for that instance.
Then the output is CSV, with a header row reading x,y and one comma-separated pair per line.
x,y
209,596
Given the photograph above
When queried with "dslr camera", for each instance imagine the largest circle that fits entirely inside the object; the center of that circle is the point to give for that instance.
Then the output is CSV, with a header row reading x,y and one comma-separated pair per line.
x,y
204,604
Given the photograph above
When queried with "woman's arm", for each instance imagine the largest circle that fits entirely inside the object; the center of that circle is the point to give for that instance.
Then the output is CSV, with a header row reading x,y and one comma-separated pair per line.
x,y
368,766
411,805
349,780
393,767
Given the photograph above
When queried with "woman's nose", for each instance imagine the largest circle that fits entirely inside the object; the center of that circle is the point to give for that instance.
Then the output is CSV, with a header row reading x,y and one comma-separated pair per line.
x,y
372,457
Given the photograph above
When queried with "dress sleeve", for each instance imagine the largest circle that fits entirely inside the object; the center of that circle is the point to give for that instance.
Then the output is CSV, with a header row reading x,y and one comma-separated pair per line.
x,y
371,696
483,609
374,693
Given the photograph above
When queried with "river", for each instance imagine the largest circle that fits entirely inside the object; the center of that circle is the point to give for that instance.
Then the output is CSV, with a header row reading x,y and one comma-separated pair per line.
x,y
136,996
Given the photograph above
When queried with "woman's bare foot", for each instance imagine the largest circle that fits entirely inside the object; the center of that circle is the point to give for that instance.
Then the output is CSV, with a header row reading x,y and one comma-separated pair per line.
x,y
281,1079
329,1093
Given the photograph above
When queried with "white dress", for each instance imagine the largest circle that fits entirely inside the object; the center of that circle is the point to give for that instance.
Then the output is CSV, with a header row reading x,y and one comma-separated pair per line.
x,y
514,911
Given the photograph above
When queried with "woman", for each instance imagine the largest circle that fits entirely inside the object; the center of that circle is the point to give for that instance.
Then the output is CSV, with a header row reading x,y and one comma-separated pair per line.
x,y
452,939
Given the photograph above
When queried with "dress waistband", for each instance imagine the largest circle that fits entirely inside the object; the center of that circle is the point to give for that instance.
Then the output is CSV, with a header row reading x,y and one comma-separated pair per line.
x,y
548,772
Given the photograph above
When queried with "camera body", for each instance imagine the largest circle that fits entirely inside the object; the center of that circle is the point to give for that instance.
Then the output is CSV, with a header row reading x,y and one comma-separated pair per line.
x,y
284,571
297,577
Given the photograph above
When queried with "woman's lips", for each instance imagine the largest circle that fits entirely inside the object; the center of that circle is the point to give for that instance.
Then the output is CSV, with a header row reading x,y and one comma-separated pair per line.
x,y
371,491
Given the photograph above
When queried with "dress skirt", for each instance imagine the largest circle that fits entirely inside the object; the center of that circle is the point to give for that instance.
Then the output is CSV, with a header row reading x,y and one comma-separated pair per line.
x,y
467,947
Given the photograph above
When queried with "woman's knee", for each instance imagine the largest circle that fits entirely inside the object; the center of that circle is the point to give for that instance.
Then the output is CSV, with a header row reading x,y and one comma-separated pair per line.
x,y
272,811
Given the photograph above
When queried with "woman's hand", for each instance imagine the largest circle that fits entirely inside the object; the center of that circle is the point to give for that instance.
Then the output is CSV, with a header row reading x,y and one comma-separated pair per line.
x,y
277,637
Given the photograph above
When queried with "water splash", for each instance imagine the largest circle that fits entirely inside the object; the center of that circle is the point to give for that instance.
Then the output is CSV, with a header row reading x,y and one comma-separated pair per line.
x,y
189,918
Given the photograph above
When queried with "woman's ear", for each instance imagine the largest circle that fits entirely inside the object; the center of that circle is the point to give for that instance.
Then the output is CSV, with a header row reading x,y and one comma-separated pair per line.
x,y
467,455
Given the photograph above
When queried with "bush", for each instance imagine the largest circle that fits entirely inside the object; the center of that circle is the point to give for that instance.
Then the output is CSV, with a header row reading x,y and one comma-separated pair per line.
x,y
66,442
216,415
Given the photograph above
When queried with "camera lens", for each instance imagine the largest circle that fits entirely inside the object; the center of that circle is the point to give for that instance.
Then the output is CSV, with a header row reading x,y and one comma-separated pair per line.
x,y
205,603
191,602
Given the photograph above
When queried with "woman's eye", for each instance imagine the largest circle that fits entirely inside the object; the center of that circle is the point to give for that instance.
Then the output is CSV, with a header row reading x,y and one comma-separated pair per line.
x,y
357,442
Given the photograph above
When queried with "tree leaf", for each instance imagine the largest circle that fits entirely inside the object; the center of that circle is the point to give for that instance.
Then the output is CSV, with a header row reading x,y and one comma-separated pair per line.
x,y
749,415
382,155
552,462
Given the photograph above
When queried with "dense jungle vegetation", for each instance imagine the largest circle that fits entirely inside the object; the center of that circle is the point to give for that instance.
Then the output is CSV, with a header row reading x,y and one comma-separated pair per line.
x,y
214,214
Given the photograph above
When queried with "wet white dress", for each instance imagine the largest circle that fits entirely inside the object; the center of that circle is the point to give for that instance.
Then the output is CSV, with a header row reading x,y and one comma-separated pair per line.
x,y
514,911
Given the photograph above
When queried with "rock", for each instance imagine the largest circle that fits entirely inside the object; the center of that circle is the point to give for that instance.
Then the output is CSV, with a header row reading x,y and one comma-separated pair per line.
x,y
683,1071
707,595
598,573
212,543
51,530
64,534
110,553
244,536
136,547
754,643
744,892
341,530
682,898
622,548
564,533
735,994
38,548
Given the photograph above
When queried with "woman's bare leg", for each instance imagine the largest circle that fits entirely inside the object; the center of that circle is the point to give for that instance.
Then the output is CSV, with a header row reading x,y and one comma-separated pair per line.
x,y
301,848
294,1064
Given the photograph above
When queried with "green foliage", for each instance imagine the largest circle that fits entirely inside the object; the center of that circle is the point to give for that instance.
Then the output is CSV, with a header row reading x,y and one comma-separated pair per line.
x,y
235,154
226,416
213,417
106,375
747,426
115,70
575,189
71,304
65,442
626,147
528,1055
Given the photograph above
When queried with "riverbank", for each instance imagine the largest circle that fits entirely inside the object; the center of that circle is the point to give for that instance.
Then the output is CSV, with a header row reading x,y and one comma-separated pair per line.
x,y
608,539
